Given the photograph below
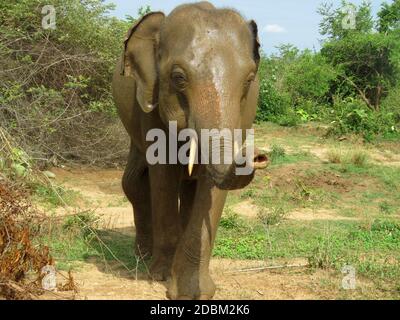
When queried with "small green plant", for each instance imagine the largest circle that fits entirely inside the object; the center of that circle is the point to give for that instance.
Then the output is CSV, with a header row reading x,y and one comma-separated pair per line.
x,y
335,156
277,152
387,226
230,220
359,158
54,195
273,216
386,208
82,223
324,255
248,193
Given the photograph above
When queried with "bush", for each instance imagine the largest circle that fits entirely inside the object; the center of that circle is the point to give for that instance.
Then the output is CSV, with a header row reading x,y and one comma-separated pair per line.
x,y
309,78
273,105
366,63
391,105
20,252
353,116
277,152
55,93
294,87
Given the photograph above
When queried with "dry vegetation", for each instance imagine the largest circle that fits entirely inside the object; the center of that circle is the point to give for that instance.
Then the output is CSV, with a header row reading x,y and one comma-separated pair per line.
x,y
55,97
19,255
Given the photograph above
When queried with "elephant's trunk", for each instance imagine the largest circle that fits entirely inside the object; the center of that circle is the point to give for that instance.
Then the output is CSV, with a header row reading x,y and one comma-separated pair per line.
x,y
229,176
216,107
225,158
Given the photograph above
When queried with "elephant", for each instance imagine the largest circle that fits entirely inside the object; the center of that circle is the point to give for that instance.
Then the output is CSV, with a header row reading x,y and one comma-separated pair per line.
x,y
197,66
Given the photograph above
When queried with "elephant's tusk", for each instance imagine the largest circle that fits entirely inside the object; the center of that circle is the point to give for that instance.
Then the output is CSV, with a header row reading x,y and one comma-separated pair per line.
x,y
192,154
149,108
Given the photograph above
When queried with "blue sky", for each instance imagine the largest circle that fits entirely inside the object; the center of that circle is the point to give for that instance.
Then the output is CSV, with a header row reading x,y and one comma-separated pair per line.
x,y
279,21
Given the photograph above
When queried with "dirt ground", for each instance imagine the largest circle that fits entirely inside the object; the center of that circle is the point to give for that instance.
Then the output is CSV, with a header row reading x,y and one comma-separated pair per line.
x,y
101,189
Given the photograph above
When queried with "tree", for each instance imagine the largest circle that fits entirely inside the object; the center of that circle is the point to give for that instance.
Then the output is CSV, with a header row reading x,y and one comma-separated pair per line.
x,y
389,17
364,57
335,21
309,77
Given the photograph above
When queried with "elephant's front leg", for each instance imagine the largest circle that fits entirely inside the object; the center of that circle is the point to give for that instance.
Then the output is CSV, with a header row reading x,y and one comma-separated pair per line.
x,y
164,182
190,270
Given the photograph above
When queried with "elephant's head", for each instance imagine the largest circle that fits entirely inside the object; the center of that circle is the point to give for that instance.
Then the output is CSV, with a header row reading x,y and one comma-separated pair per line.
x,y
199,66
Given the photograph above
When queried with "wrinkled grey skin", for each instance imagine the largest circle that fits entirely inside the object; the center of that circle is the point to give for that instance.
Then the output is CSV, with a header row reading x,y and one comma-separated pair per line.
x,y
198,66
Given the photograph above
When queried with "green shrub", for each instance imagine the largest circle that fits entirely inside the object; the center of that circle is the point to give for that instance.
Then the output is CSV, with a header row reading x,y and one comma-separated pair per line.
x,y
309,77
82,223
391,106
277,152
273,216
230,219
273,105
353,116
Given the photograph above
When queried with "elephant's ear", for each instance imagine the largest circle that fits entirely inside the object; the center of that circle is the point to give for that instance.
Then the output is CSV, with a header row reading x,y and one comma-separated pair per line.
x,y
139,57
256,42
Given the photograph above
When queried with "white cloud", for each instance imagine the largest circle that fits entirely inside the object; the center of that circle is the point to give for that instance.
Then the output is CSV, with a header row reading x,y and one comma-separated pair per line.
x,y
274,28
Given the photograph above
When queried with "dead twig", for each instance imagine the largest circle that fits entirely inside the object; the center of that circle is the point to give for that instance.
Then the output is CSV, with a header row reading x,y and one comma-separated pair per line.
x,y
259,269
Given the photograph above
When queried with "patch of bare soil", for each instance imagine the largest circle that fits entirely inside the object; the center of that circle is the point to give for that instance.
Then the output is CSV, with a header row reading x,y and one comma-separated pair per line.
x,y
386,158
246,209
249,210
307,214
292,176
232,280
100,191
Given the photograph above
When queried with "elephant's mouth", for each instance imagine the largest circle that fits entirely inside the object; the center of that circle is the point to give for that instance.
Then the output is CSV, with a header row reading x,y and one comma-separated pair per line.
x,y
226,177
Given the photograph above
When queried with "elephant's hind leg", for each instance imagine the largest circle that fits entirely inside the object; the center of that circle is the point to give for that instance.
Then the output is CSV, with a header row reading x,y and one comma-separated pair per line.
x,y
135,183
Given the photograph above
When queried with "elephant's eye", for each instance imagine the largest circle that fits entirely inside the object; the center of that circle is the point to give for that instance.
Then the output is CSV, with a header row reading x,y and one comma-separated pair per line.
x,y
178,79
251,78
248,82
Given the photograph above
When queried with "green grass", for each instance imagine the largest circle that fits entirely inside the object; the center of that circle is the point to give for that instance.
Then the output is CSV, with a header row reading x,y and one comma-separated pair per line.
x,y
279,156
326,244
54,195
101,247
117,246
356,157
69,252
230,219
119,201
76,239
241,243
389,176
387,208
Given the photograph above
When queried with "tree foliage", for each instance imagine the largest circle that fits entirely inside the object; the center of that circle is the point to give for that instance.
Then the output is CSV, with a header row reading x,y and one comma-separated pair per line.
x,y
55,96
351,83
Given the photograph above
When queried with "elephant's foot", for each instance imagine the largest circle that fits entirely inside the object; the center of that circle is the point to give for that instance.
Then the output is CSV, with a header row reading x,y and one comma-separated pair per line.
x,y
143,247
160,269
191,285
